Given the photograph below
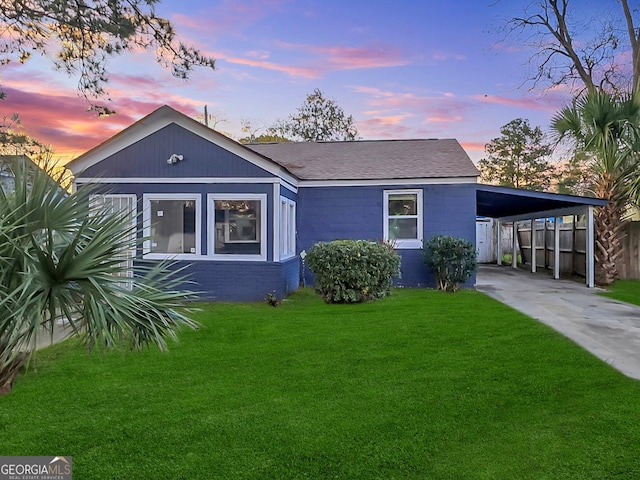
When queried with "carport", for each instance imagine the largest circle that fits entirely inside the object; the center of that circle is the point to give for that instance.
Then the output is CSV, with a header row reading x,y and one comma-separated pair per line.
x,y
505,204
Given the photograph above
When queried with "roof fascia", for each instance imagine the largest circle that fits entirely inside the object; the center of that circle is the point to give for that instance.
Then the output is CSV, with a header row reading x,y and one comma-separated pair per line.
x,y
557,212
387,181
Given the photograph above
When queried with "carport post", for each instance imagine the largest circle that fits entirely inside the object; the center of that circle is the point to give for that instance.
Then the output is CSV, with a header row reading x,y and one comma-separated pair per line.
x,y
533,245
556,247
514,242
499,242
590,246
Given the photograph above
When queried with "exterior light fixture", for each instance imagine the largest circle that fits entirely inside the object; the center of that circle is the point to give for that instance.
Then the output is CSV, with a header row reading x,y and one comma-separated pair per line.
x,y
174,158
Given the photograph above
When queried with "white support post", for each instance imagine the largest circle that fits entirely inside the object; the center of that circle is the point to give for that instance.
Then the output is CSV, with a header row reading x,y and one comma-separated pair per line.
x,y
498,242
556,247
590,267
533,245
514,242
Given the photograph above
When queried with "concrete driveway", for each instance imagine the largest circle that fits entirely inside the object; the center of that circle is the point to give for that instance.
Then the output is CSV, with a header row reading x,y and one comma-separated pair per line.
x,y
607,328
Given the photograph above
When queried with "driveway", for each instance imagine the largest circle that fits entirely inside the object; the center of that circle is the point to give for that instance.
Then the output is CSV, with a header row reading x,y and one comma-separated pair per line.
x,y
607,328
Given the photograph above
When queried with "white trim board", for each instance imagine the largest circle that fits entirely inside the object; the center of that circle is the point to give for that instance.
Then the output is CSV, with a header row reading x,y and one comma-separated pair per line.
x,y
189,180
388,182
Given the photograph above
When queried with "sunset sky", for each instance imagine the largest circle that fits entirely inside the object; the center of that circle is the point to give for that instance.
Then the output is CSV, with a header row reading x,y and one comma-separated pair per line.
x,y
414,69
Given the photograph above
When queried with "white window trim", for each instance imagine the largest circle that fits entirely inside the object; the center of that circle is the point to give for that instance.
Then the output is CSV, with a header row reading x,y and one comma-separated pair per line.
x,y
147,220
211,222
287,228
403,244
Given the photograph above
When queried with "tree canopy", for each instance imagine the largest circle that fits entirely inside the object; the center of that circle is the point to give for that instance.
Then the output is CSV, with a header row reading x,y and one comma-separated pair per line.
x,y
571,49
518,158
80,36
317,119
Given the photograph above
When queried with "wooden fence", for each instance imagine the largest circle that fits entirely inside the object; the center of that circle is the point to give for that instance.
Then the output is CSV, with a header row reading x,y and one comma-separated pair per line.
x,y
573,236
573,241
629,264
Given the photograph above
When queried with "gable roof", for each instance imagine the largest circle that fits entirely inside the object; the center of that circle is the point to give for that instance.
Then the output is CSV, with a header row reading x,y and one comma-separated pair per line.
x,y
159,119
371,159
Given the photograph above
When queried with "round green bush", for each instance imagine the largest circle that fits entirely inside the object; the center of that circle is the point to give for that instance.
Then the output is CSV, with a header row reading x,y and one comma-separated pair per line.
x,y
351,271
451,260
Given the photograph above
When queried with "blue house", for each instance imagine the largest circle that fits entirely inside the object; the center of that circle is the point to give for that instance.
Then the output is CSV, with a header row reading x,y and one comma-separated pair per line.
x,y
240,215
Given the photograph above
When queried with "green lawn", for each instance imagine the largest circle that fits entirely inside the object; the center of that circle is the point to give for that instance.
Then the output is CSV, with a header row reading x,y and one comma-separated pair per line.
x,y
420,385
625,291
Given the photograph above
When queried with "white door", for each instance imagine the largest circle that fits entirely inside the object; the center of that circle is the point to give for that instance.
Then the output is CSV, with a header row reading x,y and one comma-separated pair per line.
x,y
484,241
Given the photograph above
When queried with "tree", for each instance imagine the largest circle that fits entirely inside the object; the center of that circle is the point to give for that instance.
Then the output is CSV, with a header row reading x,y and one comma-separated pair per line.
x,y
62,257
606,128
80,35
568,53
13,141
318,119
518,158
574,176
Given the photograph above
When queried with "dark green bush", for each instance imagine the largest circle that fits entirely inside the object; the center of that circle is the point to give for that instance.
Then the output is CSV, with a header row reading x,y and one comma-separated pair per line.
x,y
451,260
350,271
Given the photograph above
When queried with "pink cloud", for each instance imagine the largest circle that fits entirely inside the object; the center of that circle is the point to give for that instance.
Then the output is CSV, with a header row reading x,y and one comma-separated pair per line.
x,y
318,60
304,72
473,146
230,17
528,103
444,118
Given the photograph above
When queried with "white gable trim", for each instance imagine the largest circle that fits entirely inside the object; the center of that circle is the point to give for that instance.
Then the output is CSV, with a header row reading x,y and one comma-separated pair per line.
x,y
161,118
387,181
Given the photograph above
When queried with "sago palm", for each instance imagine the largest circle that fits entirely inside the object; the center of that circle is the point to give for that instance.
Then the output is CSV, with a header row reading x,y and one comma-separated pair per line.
x,y
61,257
606,128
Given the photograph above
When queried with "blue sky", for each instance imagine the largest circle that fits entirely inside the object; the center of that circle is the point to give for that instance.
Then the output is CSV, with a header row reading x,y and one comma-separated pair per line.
x,y
418,69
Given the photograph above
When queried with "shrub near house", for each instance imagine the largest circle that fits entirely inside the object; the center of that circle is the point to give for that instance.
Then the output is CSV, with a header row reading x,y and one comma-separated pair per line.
x,y
350,271
452,261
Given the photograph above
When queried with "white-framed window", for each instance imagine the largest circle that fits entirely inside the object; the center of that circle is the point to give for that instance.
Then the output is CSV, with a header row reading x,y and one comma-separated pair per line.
x,y
287,228
403,218
114,203
171,225
237,226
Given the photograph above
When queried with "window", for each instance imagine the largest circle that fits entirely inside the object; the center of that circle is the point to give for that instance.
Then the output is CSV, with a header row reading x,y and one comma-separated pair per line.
x,y
237,226
116,204
403,218
287,228
172,224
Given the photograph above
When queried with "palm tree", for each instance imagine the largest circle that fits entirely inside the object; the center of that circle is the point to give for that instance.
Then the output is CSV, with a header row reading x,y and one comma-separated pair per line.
x,y
606,127
61,258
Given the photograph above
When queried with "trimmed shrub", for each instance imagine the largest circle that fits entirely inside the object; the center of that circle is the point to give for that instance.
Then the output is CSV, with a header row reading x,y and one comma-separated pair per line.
x,y
351,271
451,260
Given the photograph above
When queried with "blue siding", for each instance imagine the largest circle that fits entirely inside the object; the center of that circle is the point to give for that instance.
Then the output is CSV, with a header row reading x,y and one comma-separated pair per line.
x,y
242,281
326,214
225,280
148,158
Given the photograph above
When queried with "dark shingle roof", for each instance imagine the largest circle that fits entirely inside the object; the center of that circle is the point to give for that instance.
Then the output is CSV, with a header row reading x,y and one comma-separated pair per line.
x,y
370,159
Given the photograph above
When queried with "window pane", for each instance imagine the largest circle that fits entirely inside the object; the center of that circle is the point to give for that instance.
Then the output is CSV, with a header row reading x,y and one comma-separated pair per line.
x,y
403,228
403,205
237,227
173,226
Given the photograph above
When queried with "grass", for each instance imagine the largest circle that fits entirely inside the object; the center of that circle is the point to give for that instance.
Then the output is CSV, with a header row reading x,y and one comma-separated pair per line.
x,y
420,385
625,291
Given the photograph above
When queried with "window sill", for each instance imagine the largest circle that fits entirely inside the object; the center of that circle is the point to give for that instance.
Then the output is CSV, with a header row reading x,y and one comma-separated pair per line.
x,y
407,244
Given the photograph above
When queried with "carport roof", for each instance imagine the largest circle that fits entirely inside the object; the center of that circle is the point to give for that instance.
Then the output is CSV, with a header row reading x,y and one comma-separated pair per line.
x,y
514,203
